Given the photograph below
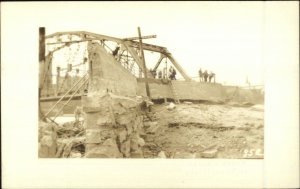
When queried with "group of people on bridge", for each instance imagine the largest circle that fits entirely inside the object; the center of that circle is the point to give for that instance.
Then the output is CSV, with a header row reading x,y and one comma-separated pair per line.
x,y
207,77
164,75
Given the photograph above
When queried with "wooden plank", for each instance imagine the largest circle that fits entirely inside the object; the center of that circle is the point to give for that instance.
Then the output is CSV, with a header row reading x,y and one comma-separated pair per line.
x,y
144,64
137,38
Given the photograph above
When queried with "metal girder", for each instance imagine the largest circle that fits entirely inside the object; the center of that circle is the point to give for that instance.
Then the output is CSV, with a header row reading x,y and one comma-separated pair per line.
x,y
95,36
130,46
134,54
159,61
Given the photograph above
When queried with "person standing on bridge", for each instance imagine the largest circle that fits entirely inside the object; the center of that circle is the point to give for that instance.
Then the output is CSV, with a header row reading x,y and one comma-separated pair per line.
x,y
205,75
159,74
171,73
210,76
78,113
201,75
174,74
115,52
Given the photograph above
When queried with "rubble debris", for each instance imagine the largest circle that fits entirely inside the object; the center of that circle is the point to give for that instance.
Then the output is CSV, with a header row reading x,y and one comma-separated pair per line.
x,y
259,126
209,153
151,127
162,155
171,106
117,136
184,155
47,140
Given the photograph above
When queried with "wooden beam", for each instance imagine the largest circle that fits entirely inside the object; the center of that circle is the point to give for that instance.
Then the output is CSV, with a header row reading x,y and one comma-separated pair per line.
x,y
137,38
77,41
144,64
149,47
41,56
158,62
42,32
136,57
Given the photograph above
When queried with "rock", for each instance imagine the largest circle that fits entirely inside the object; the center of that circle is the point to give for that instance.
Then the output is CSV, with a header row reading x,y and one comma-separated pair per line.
x,y
137,154
187,102
125,119
173,124
209,153
259,126
150,124
47,140
247,104
162,154
75,155
134,145
152,129
122,136
125,148
245,128
107,133
184,155
67,150
108,149
141,142
93,136
258,107
171,106
149,103
105,120
138,124
60,150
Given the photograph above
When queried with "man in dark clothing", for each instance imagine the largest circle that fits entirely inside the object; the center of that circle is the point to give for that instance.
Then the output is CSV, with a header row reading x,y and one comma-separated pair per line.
x,y
211,75
174,74
115,52
205,75
160,74
201,75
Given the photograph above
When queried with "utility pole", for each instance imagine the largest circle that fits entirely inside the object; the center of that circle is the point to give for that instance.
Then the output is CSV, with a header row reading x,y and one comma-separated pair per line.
x,y
41,63
144,64
41,54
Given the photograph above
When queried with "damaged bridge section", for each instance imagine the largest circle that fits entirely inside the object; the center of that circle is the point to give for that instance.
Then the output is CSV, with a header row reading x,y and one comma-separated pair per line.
x,y
113,113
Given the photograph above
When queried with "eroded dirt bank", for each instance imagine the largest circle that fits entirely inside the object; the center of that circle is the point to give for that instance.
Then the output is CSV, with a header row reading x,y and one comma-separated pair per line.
x,y
203,131
185,130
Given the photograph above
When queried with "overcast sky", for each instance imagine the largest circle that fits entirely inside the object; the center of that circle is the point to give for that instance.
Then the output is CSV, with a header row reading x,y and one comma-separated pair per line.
x,y
224,37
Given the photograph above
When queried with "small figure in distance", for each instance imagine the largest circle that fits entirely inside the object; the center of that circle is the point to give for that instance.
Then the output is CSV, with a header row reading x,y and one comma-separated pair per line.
x,y
78,113
160,74
115,52
171,73
201,75
205,75
174,74
211,75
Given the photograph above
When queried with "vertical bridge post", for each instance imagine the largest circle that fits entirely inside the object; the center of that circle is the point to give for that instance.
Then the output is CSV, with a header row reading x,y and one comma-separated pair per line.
x,y
41,62
144,64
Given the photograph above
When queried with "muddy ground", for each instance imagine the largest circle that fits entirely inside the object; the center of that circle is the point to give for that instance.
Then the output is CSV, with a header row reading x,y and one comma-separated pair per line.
x,y
188,130
206,131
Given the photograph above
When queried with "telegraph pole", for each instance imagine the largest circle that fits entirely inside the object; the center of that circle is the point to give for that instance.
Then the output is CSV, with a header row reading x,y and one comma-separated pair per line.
x,y
41,62
144,64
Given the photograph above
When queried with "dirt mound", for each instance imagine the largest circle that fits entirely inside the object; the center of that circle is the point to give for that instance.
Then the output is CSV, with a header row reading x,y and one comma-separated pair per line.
x,y
206,131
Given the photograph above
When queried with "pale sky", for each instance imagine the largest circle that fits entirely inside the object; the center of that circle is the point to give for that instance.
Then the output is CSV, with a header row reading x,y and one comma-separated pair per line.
x,y
224,37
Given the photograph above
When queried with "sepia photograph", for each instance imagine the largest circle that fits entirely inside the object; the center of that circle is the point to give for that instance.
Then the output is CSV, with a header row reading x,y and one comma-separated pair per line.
x,y
109,97
150,94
